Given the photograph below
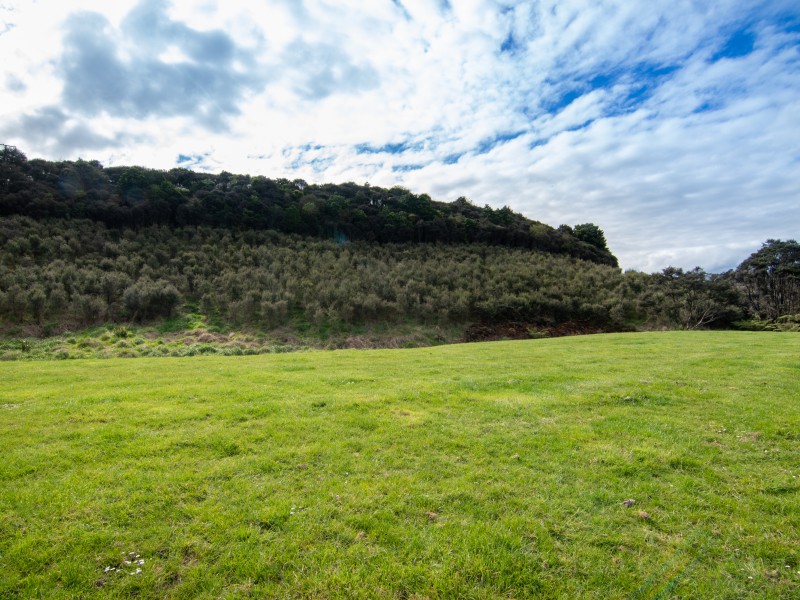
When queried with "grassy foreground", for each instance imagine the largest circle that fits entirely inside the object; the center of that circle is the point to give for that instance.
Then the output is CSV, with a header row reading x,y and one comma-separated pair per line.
x,y
468,471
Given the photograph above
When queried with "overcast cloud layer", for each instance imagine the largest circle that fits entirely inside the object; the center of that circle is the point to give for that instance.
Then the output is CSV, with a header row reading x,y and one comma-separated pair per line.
x,y
674,126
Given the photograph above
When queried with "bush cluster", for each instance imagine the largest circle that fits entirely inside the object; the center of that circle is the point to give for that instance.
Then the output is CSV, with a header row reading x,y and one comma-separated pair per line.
x,y
80,271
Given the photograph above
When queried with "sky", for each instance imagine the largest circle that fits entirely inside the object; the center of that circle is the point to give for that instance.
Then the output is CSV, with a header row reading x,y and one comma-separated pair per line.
x,y
673,125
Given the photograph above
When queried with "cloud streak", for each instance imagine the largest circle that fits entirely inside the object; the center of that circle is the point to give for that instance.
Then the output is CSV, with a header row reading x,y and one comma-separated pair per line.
x,y
673,128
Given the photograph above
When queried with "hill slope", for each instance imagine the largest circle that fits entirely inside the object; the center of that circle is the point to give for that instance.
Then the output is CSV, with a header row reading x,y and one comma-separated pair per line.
x,y
59,274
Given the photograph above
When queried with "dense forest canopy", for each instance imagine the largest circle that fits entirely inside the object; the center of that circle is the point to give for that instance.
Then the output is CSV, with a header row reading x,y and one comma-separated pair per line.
x,y
138,197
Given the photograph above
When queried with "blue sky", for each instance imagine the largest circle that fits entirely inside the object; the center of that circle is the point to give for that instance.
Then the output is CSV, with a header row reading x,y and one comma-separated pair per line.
x,y
674,126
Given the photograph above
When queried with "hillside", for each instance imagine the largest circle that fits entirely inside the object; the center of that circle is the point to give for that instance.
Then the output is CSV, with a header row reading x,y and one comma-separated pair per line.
x,y
59,274
84,245
281,265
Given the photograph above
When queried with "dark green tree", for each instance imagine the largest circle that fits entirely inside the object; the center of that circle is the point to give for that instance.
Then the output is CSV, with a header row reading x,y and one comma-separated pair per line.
x,y
12,155
695,299
591,234
147,299
770,279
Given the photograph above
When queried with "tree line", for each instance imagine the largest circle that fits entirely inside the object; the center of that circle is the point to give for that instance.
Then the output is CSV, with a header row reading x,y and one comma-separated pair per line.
x,y
135,197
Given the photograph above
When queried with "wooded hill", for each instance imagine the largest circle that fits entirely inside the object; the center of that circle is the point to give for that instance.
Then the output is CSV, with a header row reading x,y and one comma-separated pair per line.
x,y
82,273
134,197
81,246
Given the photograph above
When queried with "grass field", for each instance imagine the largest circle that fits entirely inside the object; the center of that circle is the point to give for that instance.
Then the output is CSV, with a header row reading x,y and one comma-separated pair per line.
x,y
466,471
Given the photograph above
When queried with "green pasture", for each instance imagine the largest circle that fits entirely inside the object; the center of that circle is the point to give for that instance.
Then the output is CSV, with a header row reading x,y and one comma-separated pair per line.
x,y
495,470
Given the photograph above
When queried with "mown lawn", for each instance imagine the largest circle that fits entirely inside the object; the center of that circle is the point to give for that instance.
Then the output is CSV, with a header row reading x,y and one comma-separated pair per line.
x,y
466,471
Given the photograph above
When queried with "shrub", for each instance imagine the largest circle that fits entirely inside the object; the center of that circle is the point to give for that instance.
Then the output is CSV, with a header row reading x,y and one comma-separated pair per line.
x,y
147,299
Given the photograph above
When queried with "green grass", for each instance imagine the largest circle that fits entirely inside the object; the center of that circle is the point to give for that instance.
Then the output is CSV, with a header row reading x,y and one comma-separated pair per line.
x,y
467,471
